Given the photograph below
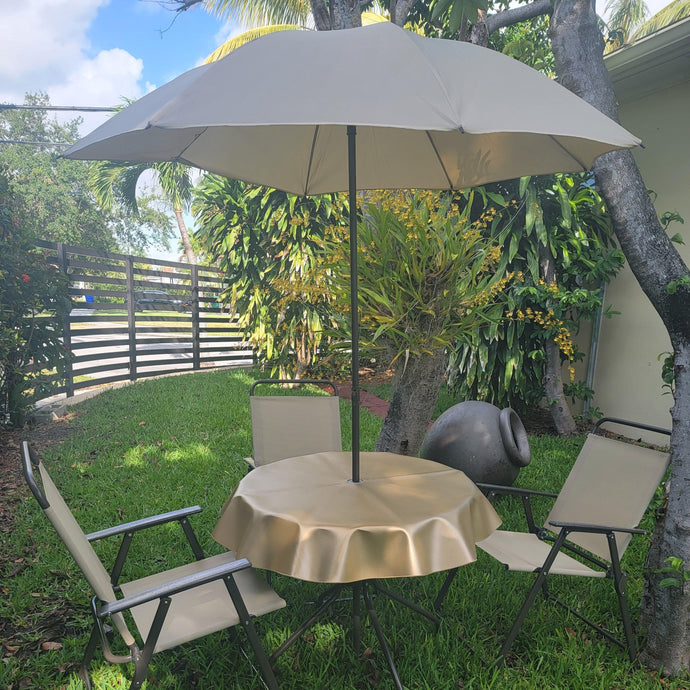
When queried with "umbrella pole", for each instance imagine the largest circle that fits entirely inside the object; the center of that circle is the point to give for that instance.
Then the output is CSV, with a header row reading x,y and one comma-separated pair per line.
x,y
354,302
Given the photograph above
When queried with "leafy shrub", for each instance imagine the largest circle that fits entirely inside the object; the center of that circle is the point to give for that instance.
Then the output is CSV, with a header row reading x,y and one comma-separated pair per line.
x,y
33,304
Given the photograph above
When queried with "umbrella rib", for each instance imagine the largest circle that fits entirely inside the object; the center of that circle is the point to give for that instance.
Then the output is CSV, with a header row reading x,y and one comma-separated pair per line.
x,y
575,158
440,160
179,157
311,157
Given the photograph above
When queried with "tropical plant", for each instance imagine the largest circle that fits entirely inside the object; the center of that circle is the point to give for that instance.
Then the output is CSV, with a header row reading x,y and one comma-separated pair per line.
x,y
267,241
33,305
62,208
427,279
557,235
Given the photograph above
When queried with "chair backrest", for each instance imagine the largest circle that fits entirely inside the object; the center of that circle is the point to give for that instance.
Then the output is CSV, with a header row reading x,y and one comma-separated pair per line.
x,y
284,426
62,519
611,483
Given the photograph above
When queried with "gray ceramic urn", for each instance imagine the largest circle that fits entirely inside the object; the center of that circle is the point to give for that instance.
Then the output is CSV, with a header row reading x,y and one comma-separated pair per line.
x,y
488,444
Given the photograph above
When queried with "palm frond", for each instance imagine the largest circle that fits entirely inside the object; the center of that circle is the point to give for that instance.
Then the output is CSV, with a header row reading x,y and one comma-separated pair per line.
x,y
115,183
261,13
176,182
238,41
625,16
673,12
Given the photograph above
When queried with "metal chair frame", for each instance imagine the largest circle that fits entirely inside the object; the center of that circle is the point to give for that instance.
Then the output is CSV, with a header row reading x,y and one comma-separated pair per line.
x,y
104,611
559,540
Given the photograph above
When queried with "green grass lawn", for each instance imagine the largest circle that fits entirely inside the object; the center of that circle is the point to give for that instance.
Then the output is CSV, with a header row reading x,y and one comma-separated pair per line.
x,y
171,442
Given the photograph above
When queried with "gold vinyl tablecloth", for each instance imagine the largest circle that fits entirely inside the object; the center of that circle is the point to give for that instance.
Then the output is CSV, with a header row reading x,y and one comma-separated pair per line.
x,y
303,517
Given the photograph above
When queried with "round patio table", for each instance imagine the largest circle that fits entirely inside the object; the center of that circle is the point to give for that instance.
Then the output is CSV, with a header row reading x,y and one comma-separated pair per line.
x,y
304,518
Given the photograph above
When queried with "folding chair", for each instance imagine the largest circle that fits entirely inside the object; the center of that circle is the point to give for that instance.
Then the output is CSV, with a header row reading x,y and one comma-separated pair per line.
x,y
284,425
593,517
168,608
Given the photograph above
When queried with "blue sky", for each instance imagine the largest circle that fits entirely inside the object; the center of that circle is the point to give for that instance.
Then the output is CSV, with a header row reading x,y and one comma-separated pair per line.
x,y
93,52
167,44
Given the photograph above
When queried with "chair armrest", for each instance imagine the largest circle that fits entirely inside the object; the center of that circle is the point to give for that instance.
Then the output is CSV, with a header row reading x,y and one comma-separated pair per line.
x,y
597,529
144,523
513,490
493,490
174,587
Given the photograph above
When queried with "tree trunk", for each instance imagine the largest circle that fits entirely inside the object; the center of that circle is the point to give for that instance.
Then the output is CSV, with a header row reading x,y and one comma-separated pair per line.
x,y
578,49
336,14
553,374
556,400
184,234
666,612
415,391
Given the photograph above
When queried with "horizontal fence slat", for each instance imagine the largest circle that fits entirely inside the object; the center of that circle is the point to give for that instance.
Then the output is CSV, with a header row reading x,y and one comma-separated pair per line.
x,y
105,336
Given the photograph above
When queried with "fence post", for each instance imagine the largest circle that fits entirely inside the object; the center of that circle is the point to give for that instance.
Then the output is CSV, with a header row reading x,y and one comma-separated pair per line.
x,y
131,324
63,263
196,324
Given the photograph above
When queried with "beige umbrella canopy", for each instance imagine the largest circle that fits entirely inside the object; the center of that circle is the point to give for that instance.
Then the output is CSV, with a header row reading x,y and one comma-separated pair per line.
x,y
417,112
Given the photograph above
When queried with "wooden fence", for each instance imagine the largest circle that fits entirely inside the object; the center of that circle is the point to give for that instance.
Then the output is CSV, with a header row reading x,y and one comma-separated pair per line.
x,y
135,317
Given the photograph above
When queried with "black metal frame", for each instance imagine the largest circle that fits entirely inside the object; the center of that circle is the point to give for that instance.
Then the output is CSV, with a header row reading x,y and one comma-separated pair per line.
x,y
301,382
101,610
613,569
360,590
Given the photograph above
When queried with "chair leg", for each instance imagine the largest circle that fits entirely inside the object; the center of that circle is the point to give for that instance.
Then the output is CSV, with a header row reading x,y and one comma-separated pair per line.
x,y
260,654
142,657
249,628
619,584
141,667
85,667
356,616
539,583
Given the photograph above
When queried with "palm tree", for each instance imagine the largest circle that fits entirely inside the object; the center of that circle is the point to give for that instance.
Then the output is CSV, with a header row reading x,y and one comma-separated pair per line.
x,y
625,16
115,183
673,12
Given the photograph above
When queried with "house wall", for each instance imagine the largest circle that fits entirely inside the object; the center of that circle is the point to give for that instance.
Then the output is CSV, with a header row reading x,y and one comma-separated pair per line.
x,y
627,378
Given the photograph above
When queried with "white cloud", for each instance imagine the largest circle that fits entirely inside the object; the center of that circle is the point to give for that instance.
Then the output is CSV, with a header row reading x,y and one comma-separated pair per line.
x,y
105,80
44,47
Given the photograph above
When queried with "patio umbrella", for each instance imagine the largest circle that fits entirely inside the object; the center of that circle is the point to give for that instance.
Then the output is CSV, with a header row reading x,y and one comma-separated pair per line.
x,y
375,107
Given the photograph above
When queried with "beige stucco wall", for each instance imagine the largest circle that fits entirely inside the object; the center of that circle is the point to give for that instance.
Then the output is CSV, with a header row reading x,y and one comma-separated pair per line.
x,y
627,378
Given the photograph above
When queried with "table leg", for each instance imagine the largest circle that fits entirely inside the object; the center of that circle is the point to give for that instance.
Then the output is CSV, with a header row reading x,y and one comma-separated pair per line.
x,y
322,603
440,597
381,637
356,618
406,602
360,590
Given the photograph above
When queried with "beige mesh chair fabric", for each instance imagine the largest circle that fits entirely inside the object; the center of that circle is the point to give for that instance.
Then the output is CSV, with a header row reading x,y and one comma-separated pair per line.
x,y
598,509
203,610
611,483
169,608
80,549
285,426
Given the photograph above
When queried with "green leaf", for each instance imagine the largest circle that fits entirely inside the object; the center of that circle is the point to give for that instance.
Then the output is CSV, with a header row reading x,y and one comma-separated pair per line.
x,y
439,8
